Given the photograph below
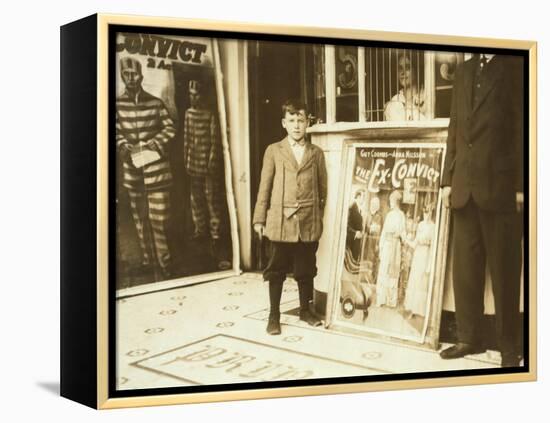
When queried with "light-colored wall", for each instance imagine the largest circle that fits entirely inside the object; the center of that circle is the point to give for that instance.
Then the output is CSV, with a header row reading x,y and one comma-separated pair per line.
x,y
236,96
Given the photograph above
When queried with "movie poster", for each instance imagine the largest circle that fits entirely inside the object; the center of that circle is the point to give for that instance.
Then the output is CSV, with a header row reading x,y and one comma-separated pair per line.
x,y
172,216
391,222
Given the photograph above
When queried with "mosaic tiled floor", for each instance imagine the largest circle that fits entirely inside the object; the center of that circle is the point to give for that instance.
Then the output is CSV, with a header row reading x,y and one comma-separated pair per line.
x,y
214,333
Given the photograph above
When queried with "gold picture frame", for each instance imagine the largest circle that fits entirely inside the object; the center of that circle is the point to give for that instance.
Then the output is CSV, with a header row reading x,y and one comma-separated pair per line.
x,y
89,296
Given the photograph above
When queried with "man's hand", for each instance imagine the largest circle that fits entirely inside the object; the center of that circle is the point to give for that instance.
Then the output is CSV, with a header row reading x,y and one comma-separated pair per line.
x,y
358,234
125,151
259,229
519,202
446,196
152,145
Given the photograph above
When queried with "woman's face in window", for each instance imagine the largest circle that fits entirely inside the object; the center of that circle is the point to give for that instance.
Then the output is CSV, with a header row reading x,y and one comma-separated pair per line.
x,y
405,71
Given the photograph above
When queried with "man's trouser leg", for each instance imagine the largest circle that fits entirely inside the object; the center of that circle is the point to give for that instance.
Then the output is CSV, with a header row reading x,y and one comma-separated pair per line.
x,y
199,207
502,237
213,201
159,213
468,273
139,208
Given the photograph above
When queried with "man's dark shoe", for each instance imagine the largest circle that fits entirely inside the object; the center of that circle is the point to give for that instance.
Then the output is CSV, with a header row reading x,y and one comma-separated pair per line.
x,y
166,273
460,350
273,326
310,318
510,360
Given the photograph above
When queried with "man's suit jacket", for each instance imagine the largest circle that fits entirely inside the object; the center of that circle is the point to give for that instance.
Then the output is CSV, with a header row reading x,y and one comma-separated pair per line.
x,y
355,223
355,220
291,196
484,157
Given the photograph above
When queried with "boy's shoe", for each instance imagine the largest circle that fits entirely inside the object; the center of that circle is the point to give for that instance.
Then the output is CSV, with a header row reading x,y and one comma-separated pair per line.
x,y
273,326
310,318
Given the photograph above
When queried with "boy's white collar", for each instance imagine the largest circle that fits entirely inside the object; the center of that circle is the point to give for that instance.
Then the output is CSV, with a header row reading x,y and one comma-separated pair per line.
x,y
295,143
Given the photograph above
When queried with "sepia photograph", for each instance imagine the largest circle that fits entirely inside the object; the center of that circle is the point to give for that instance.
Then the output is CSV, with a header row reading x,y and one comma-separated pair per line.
x,y
303,211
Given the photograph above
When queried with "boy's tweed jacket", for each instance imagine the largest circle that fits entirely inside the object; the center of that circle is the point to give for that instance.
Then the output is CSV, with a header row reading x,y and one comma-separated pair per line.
x,y
291,197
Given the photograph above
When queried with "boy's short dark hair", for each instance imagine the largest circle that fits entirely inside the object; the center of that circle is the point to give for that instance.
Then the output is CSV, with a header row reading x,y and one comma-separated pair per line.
x,y
293,106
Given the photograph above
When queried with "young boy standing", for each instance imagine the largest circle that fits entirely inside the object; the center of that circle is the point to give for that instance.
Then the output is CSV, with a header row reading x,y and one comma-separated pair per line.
x,y
289,212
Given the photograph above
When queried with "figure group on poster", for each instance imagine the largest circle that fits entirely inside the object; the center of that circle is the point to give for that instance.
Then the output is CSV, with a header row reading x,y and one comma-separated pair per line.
x,y
392,253
171,162
390,237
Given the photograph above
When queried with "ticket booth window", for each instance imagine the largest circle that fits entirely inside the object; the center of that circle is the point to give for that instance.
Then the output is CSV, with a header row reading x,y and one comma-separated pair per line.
x,y
347,83
373,84
395,87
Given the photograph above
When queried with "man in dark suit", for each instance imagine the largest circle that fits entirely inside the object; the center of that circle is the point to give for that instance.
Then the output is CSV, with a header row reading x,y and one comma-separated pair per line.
x,y
483,183
356,225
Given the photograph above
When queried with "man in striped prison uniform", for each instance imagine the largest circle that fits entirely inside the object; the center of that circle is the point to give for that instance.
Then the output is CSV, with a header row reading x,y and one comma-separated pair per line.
x,y
204,165
143,124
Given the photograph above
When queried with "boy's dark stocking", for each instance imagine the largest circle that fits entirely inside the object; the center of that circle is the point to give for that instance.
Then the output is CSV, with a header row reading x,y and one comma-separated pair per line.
x,y
275,292
305,292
